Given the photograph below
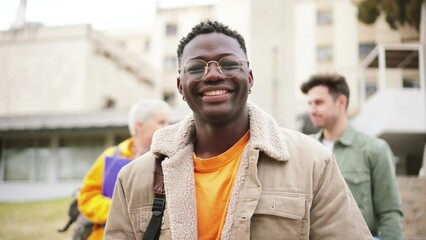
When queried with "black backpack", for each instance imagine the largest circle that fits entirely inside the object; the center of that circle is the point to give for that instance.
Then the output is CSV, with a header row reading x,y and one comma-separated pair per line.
x,y
73,213
83,227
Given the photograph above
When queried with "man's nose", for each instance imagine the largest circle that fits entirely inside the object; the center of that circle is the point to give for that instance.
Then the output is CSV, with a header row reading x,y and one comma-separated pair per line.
x,y
213,73
312,110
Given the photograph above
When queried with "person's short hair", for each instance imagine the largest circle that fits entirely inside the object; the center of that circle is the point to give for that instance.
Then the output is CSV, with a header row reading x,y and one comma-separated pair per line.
x,y
144,110
335,83
206,27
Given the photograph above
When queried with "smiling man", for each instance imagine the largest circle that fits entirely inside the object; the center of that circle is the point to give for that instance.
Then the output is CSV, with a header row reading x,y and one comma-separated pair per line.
x,y
229,170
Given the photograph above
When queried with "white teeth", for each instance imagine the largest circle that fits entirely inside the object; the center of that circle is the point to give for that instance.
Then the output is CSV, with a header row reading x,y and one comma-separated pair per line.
x,y
215,92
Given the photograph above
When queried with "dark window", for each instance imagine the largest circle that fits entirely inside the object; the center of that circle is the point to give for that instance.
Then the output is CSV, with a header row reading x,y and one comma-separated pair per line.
x,y
324,18
26,160
170,63
370,89
410,83
325,53
147,45
119,138
365,48
171,29
76,156
169,97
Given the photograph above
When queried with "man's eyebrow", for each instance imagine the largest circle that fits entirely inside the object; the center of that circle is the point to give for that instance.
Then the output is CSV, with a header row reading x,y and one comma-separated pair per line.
x,y
219,56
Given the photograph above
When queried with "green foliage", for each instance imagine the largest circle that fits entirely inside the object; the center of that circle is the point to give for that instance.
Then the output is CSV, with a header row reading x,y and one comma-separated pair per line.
x,y
397,12
368,11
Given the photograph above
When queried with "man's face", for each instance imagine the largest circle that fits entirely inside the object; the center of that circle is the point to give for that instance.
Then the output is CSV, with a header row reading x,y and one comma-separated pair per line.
x,y
158,120
216,97
324,110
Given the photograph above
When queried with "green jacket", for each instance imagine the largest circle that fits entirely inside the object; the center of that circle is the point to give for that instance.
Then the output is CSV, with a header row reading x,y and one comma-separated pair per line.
x,y
367,165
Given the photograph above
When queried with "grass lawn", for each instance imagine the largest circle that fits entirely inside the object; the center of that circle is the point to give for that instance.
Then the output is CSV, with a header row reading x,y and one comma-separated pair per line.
x,y
34,220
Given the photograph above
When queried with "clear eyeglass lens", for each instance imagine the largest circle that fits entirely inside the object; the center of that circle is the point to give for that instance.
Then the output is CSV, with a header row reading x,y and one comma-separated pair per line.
x,y
196,69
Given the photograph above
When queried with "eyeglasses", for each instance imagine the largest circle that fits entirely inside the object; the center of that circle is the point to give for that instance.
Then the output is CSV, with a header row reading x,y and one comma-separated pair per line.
x,y
197,69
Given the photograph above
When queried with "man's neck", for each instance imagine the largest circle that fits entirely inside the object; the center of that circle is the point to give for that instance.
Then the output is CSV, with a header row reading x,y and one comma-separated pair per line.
x,y
335,132
140,147
214,140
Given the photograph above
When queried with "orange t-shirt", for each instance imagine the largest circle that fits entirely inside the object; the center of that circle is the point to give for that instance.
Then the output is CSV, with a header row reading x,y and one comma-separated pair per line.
x,y
214,179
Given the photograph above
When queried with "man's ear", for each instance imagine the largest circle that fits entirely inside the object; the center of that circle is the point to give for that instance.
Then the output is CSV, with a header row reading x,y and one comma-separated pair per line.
x,y
138,126
251,79
343,100
178,85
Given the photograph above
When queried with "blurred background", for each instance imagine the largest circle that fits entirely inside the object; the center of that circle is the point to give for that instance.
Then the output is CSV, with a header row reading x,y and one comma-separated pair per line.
x,y
70,70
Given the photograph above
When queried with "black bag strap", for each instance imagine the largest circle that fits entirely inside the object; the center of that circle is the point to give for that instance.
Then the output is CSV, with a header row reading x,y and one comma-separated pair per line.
x,y
153,230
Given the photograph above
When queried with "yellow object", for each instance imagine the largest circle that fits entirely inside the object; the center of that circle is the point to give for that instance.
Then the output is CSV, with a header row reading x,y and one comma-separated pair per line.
x,y
91,203
214,179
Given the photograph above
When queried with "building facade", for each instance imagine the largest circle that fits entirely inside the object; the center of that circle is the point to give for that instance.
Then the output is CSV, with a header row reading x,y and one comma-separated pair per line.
x,y
65,92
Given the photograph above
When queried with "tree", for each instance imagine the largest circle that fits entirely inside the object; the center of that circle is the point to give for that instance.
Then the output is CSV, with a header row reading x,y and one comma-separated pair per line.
x,y
397,12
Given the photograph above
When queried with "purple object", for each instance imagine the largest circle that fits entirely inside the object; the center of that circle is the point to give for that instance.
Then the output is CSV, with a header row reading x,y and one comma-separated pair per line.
x,y
112,167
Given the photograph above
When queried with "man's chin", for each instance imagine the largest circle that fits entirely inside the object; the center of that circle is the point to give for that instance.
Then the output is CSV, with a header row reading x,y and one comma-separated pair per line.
x,y
318,126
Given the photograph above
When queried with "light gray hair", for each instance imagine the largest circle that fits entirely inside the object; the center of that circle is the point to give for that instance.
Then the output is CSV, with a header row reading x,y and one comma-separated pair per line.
x,y
144,110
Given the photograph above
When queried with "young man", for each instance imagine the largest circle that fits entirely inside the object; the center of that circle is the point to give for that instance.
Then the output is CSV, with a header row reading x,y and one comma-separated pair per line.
x,y
365,162
94,200
230,172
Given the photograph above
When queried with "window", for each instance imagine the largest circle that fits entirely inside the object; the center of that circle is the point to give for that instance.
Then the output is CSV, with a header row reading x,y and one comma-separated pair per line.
x,y
370,89
118,138
171,29
324,18
365,48
26,160
76,156
170,64
147,45
169,97
324,53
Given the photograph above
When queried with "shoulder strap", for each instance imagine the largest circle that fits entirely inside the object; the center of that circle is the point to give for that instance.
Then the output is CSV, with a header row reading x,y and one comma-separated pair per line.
x,y
153,230
117,151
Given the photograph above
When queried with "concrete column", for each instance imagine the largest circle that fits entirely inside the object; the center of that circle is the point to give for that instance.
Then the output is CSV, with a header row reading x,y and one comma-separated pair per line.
x,y
54,160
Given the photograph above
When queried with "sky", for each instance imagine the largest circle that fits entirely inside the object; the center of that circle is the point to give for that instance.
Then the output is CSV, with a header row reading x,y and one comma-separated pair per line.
x,y
101,14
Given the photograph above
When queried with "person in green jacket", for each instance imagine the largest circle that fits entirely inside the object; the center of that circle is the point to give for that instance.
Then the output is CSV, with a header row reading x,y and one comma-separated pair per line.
x,y
366,162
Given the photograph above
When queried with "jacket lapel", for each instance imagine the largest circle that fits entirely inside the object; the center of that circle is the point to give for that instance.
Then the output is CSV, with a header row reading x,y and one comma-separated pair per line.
x,y
176,143
179,184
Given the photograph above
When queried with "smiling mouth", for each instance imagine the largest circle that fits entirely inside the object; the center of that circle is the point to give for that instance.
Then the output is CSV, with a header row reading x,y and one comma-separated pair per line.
x,y
215,93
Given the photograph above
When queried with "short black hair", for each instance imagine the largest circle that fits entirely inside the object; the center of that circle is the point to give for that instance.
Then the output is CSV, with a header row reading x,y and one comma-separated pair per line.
x,y
206,27
335,83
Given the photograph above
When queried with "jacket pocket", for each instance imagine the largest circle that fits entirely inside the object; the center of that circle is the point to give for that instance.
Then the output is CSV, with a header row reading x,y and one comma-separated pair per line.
x,y
278,216
360,185
145,218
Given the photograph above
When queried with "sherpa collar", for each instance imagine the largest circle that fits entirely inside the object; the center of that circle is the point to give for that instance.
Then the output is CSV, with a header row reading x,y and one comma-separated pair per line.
x,y
264,135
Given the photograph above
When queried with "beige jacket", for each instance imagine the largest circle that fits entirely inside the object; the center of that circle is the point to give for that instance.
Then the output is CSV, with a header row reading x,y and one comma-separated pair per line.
x,y
288,187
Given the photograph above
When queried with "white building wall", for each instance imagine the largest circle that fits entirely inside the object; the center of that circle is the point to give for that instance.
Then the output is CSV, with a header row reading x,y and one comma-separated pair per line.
x,y
42,70
236,14
105,79
305,49
345,46
272,58
56,70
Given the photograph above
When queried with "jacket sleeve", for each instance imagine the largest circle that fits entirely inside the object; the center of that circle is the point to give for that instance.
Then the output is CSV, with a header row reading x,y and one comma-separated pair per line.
x,y
334,212
91,203
386,197
119,225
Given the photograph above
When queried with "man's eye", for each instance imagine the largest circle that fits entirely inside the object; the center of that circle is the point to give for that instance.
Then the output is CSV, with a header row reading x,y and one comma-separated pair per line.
x,y
193,69
229,65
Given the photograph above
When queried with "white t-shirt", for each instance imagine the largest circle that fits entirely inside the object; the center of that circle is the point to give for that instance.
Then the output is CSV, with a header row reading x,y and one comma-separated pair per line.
x,y
328,144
